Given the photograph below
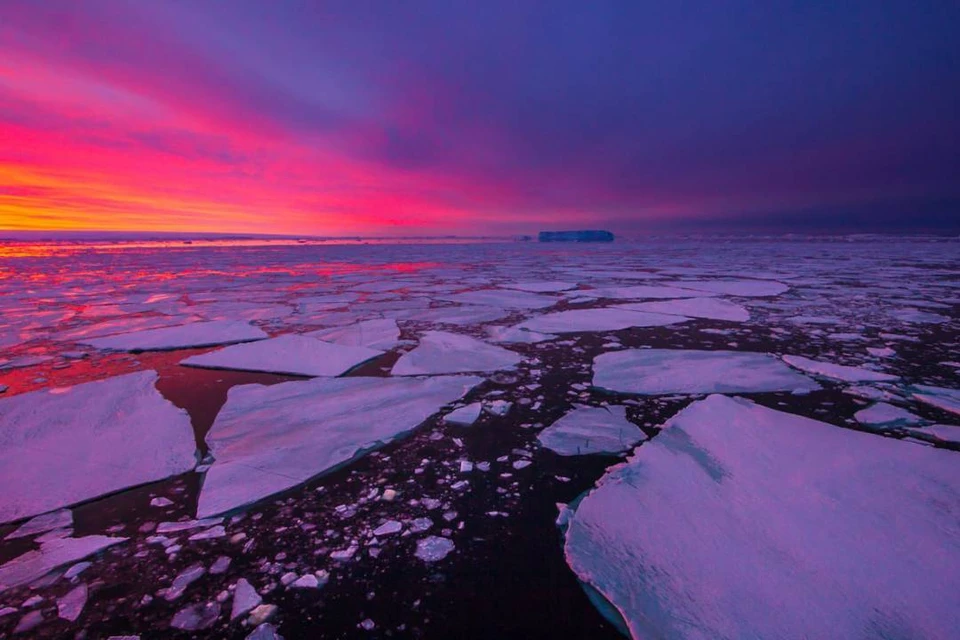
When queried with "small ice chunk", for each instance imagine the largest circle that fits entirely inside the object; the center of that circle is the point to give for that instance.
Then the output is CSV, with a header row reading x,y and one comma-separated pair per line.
x,y
433,548
76,570
183,580
464,416
498,407
836,371
220,565
588,430
245,599
289,354
444,352
161,502
196,617
666,371
388,528
264,631
306,581
71,605
186,525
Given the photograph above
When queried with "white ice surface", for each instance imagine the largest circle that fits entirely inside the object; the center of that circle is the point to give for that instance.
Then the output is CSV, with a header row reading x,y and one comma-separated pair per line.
x,y
291,354
709,308
382,333
517,335
443,352
64,446
503,299
738,521
464,416
59,519
603,319
885,415
665,371
939,397
587,430
740,288
270,438
195,334
544,286
641,291
51,554
837,371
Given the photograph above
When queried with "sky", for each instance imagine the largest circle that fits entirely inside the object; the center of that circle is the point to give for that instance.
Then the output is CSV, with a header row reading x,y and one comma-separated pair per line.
x,y
479,118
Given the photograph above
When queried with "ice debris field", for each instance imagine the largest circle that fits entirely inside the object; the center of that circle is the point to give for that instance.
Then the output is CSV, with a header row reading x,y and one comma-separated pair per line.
x,y
683,438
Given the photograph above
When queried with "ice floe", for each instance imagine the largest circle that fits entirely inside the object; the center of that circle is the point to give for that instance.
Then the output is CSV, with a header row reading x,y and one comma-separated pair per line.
x,y
51,555
72,444
290,354
739,288
381,333
885,415
587,430
503,299
641,291
603,319
709,308
945,399
837,371
444,352
59,519
195,334
665,371
544,286
738,521
464,416
270,438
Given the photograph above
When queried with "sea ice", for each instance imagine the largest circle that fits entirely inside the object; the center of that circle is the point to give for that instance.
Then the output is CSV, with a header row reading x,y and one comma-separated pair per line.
x,y
51,555
738,521
382,333
603,319
443,352
245,598
885,415
75,443
587,430
195,334
939,397
709,308
290,354
503,299
517,335
665,371
433,548
270,438
464,416
543,286
59,519
837,371
739,288
641,291
458,316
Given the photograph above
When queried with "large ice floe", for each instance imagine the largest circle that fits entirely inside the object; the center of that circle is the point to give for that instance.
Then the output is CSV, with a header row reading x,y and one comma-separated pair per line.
x,y
837,371
443,352
503,299
194,334
603,319
51,554
739,521
708,308
290,354
740,288
380,333
66,445
665,371
587,430
270,438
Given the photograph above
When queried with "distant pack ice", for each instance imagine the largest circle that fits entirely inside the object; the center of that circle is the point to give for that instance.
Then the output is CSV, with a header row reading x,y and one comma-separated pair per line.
x,y
63,446
738,521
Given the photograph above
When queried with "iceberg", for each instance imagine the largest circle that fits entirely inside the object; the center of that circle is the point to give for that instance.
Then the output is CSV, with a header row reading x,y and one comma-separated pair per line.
x,y
443,352
194,334
290,354
666,371
67,445
587,430
739,521
267,439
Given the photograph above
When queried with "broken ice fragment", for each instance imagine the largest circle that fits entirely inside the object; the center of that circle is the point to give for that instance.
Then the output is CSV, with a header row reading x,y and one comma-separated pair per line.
x,y
885,415
837,371
709,308
604,319
59,519
666,371
433,548
387,528
588,430
464,416
71,605
196,617
380,333
51,555
245,598
939,397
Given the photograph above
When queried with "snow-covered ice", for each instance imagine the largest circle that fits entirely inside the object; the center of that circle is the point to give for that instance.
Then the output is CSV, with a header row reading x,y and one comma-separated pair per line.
x,y
444,352
51,555
290,354
709,308
882,414
379,333
465,415
942,398
739,521
270,438
666,371
72,444
195,334
587,430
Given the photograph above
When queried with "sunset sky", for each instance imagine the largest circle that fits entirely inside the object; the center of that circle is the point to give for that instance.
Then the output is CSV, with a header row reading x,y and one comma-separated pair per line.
x,y
485,117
